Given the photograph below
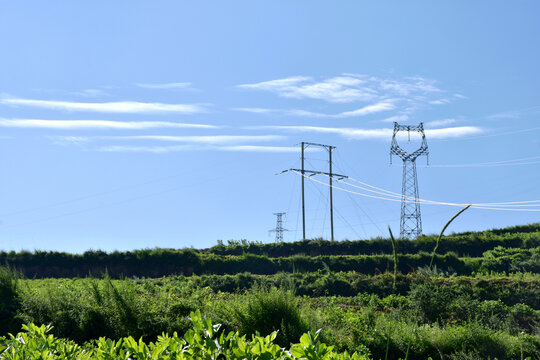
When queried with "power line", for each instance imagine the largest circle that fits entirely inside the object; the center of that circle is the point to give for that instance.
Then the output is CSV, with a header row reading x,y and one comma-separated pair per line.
x,y
528,203
339,214
476,206
523,161
357,206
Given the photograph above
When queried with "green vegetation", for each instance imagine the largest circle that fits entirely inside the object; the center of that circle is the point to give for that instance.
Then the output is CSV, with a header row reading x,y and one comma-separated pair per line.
x,y
468,315
472,244
203,341
463,254
9,300
348,306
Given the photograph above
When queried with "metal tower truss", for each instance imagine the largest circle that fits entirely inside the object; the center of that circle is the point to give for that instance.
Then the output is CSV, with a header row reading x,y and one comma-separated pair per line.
x,y
411,219
279,227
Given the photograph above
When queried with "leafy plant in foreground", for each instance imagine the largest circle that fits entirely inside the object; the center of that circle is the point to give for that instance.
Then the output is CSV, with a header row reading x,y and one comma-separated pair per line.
x,y
203,341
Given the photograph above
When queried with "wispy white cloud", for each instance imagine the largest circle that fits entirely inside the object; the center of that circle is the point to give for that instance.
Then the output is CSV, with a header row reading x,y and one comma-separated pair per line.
x,y
439,123
278,85
256,110
404,95
415,85
128,107
505,115
453,132
366,110
256,148
515,114
69,140
148,149
215,139
396,118
341,89
176,148
174,85
96,124
210,139
369,109
90,93
345,132
439,101
347,88
384,134
242,143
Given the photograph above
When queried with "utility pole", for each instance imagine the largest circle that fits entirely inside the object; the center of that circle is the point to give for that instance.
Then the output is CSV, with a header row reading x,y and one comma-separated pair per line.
x,y
279,227
411,219
303,199
330,175
330,148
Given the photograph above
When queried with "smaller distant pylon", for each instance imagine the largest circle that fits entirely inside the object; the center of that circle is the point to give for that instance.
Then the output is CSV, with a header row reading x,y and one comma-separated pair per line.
x,y
279,230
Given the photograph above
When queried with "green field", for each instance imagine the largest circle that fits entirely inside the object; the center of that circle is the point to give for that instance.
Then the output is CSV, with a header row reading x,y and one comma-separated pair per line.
x,y
480,300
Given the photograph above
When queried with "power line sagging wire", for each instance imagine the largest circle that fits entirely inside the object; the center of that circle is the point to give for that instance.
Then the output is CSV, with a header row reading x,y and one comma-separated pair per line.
x,y
356,205
322,195
514,162
529,203
484,206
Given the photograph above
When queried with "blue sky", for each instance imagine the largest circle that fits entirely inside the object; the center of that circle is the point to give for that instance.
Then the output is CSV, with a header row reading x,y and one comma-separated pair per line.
x,y
135,124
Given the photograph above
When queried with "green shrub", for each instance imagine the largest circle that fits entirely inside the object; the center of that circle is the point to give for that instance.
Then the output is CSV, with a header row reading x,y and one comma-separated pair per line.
x,y
402,338
429,301
10,302
268,310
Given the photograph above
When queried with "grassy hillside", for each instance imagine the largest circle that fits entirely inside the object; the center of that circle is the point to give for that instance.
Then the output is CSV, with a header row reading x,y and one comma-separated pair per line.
x,y
480,300
463,254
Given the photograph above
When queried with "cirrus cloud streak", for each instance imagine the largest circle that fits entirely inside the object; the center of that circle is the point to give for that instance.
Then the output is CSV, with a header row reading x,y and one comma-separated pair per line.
x,y
366,110
195,139
347,88
382,134
176,148
119,107
97,124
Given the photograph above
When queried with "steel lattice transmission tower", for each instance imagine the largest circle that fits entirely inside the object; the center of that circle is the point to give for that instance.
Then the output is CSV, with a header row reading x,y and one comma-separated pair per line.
x,y
411,220
279,227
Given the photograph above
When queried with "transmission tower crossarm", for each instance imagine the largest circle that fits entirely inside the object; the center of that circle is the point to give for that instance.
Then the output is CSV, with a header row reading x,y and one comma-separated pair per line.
x,y
312,172
321,145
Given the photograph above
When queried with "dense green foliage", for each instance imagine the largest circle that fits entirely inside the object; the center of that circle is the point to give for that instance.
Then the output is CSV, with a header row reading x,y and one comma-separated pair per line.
x,y
464,307
472,244
519,288
462,254
461,314
9,300
157,263
203,341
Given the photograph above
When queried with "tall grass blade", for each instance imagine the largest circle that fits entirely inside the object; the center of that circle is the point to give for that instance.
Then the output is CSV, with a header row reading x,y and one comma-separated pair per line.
x,y
395,256
442,232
